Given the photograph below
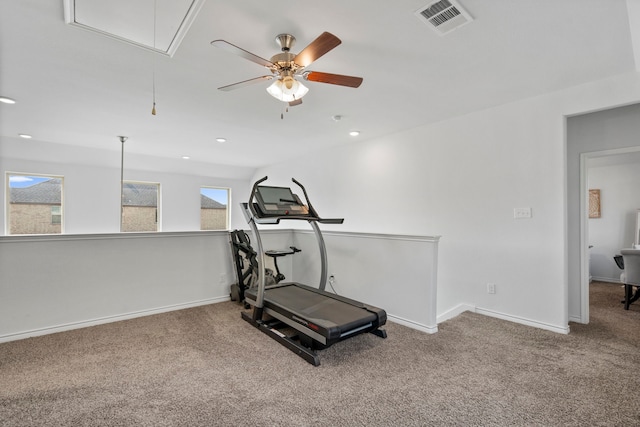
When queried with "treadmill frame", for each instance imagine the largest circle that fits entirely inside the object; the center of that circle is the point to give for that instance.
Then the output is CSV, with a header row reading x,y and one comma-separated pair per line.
x,y
270,321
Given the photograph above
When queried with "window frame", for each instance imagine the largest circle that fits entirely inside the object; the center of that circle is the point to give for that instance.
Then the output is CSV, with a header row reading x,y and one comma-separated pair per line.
x,y
7,201
158,214
228,208
57,214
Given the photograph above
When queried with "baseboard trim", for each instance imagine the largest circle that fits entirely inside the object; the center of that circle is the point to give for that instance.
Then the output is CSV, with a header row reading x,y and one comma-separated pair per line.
x,y
456,311
107,319
413,325
605,279
461,308
576,319
523,321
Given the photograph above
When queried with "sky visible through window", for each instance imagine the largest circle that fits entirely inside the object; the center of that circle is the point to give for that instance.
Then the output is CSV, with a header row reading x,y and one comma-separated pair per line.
x,y
218,194
23,181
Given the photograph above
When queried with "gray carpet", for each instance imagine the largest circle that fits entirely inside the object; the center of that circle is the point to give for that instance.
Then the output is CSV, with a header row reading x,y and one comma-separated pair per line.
x,y
206,367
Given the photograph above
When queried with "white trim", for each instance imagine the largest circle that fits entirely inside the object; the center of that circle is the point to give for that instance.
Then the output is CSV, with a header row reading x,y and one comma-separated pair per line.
x,y
584,225
183,28
413,325
523,321
606,279
456,311
584,241
459,309
22,238
404,237
108,319
575,319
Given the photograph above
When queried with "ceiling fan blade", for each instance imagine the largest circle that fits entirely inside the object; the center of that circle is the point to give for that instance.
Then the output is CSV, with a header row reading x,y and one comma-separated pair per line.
x,y
241,52
323,44
245,83
295,102
334,79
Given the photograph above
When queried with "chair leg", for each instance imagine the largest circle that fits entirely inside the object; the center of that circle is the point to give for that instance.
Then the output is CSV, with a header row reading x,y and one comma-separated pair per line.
x,y
627,296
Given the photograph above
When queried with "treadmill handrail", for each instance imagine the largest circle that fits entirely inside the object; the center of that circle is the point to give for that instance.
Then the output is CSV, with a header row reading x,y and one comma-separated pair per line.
x,y
306,198
253,191
275,219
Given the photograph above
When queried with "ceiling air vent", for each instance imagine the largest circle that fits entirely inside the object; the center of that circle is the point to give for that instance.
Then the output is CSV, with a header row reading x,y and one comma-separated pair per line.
x,y
444,16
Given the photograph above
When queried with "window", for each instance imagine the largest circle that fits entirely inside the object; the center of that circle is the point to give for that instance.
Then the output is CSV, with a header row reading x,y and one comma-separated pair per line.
x,y
214,208
56,215
139,206
35,204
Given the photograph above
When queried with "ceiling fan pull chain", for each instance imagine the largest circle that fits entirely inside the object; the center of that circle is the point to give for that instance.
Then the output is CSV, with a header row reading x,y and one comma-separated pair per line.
x,y
153,109
284,110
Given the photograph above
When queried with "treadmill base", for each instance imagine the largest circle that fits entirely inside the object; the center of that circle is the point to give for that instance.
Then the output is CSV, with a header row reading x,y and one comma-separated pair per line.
x,y
382,333
306,353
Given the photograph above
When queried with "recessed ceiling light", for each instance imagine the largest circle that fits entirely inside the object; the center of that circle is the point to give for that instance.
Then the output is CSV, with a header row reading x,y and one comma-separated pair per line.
x,y
186,157
221,139
354,133
24,135
6,100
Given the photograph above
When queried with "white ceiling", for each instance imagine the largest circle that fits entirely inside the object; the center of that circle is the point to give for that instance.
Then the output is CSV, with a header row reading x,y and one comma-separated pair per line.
x,y
81,88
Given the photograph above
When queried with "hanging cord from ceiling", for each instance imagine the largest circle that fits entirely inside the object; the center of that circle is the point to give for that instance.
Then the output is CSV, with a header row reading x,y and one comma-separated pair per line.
x,y
285,109
153,110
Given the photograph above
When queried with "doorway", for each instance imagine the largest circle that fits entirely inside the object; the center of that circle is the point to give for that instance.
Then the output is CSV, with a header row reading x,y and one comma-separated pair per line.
x,y
590,136
616,177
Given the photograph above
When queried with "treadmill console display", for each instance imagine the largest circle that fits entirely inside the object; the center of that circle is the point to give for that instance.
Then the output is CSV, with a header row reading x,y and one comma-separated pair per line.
x,y
279,201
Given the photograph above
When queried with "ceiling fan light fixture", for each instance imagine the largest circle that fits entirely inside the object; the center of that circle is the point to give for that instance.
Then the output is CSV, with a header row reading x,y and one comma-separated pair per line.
x,y
287,89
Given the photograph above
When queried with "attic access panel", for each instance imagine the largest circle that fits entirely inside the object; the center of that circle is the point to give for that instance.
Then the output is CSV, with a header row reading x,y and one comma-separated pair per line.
x,y
133,21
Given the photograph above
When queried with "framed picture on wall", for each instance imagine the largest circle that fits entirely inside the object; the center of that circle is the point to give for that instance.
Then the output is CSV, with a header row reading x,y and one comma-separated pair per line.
x,y
594,204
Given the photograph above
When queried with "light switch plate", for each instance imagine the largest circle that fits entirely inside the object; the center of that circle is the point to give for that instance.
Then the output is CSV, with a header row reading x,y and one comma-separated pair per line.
x,y
521,213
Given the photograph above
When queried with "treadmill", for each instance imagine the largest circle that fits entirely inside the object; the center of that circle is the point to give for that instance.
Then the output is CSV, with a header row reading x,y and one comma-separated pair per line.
x,y
301,317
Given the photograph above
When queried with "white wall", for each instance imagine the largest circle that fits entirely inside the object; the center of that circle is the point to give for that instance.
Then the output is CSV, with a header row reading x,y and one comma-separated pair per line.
x,y
55,283
461,179
81,278
615,229
92,184
373,269
59,282
370,268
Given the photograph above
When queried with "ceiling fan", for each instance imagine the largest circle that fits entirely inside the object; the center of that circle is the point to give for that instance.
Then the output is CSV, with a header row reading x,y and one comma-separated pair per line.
x,y
286,66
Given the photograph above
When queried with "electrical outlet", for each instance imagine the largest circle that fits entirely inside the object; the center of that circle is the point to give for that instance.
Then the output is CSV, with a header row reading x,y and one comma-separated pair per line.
x,y
491,288
521,213
223,278
332,281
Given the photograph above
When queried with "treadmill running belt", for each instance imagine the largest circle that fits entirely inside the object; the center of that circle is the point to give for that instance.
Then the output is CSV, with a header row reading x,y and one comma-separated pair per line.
x,y
322,309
